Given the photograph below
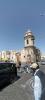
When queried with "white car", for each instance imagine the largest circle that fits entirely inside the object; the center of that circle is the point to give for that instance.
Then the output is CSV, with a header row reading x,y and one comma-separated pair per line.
x,y
42,62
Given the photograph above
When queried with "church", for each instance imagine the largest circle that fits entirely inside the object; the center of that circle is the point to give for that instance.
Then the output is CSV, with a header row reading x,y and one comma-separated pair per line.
x,y
29,53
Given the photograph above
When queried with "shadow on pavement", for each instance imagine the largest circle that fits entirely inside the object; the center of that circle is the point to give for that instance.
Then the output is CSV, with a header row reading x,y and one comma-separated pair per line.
x,y
6,84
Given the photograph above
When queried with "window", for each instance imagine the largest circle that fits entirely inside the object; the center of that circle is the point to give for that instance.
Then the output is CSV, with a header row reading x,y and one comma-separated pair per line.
x,y
27,42
24,56
3,66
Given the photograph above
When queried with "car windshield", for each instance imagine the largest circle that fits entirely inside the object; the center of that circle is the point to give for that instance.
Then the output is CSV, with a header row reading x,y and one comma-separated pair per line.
x,y
5,65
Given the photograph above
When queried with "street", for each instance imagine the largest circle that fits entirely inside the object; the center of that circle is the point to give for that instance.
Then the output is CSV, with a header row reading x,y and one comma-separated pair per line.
x,y
20,89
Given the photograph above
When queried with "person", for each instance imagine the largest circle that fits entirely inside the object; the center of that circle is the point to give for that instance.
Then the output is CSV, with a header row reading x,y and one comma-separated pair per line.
x,y
39,81
43,95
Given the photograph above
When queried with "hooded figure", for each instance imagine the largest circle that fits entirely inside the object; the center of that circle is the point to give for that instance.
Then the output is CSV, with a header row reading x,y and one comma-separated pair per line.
x,y
39,81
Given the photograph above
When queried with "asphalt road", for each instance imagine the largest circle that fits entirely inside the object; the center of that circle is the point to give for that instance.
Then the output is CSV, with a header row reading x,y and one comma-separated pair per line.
x,y
20,89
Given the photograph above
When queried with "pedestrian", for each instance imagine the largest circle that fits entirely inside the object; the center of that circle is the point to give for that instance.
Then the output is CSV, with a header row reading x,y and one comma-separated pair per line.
x,y
39,81
43,94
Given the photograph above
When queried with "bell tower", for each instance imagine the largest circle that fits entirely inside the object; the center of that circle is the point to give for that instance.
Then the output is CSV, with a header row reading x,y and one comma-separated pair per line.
x,y
29,39
29,46
29,53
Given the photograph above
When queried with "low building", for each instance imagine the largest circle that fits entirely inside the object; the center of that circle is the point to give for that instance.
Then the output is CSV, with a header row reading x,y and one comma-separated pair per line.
x,y
8,56
13,56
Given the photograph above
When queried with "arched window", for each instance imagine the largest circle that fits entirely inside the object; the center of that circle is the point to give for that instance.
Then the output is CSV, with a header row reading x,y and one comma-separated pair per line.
x,y
27,41
24,56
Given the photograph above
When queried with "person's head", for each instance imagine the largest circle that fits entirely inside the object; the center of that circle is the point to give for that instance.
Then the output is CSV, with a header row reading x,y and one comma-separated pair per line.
x,y
34,66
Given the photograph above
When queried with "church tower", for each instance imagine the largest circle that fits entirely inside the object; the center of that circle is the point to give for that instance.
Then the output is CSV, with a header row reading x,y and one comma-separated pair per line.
x,y
29,53
29,39
29,46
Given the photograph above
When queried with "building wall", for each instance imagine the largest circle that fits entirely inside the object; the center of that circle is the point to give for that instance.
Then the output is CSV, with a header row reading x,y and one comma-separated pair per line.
x,y
23,55
30,52
0,55
27,55
8,55
4,56
30,42
13,56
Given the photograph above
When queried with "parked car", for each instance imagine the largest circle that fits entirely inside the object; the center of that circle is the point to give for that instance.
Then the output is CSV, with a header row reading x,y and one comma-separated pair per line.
x,y
8,72
42,62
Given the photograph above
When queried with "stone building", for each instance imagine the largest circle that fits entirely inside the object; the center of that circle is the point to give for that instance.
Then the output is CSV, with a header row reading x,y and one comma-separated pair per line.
x,y
8,56
29,53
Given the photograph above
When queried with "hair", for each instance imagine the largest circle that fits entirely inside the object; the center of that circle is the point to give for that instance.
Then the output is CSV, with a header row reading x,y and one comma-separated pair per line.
x,y
34,69
37,66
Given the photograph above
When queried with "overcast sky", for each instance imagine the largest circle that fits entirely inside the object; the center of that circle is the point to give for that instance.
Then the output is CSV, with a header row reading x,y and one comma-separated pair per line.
x,y
16,17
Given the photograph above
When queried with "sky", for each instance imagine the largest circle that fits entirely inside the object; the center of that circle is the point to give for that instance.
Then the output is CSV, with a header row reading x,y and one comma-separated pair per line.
x,y
16,17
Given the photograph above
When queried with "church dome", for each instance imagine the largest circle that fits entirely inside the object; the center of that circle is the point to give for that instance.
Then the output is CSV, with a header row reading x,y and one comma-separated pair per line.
x,y
29,32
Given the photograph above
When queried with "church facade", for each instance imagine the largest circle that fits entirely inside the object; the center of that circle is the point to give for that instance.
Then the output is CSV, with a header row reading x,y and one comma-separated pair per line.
x,y
29,53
